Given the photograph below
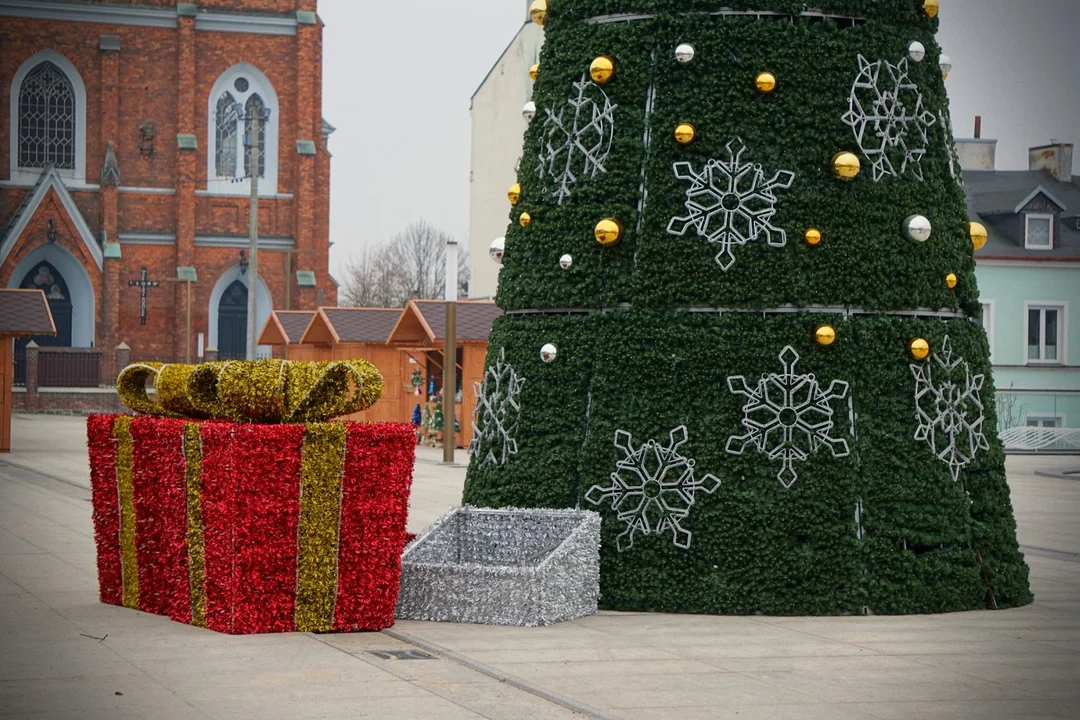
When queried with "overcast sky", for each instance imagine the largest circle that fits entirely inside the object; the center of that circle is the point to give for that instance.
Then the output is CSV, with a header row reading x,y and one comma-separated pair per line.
x,y
398,77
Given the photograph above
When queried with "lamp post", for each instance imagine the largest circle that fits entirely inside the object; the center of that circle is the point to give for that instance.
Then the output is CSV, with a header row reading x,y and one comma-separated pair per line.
x,y
450,354
251,144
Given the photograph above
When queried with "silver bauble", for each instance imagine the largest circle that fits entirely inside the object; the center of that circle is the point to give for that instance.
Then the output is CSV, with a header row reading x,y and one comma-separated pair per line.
x,y
497,249
916,51
566,262
548,353
529,111
918,228
684,53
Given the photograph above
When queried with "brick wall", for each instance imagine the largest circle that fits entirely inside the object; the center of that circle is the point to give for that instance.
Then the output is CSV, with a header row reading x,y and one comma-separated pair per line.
x,y
164,77
73,401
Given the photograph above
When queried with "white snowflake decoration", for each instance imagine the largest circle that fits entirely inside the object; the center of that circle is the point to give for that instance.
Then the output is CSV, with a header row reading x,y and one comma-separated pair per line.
x,y
788,417
731,203
577,139
496,417
949,409
955,171
653,488
888,118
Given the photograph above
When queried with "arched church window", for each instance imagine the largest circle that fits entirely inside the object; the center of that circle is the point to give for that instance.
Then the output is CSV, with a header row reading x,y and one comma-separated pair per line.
x,y
243,87
47,119
225,157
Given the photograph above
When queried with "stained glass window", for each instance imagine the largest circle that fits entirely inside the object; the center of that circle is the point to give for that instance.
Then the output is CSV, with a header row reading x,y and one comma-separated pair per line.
x,y
226,148
47,119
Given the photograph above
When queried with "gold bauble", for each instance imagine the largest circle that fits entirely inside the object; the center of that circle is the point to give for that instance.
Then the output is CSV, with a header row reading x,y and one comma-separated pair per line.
x,y
931,7
978,235
846,165
514,193
685,134
538,12
534,71
813,237
766,82
919,349
952,281
602,70
825,335
608,232
525,219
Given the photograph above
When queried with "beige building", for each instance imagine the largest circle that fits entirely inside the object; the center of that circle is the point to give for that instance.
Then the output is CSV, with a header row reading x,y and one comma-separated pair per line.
x,y
498,130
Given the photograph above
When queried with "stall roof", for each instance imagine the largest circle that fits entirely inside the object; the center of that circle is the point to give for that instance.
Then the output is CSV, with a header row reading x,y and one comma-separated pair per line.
x,y
351,325
424,322
285,327
24,313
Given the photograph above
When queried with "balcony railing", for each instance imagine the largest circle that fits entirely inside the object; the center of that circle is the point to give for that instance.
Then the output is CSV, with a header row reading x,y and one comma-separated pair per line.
x,y
1035,439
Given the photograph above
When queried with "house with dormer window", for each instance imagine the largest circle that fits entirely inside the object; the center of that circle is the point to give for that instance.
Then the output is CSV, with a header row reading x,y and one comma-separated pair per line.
x,y
1029,280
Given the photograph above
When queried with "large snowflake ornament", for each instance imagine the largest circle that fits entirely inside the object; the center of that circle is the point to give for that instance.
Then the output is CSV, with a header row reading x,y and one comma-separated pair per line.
x,y
730,203
949,409
653,488
577,138
887,115
788,417
495,420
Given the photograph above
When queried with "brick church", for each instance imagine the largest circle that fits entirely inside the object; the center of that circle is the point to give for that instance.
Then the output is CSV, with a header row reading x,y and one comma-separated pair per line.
x,y
123,167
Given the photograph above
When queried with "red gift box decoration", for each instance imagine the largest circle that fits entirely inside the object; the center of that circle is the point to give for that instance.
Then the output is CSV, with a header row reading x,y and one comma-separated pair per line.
x,y
246,528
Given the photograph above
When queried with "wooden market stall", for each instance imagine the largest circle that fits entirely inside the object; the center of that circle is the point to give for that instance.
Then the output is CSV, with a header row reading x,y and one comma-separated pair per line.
x,y
23,313
284,330
420,333
361,333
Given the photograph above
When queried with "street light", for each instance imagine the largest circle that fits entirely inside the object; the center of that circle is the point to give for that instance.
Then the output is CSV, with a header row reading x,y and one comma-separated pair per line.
x,y
251,144
450,355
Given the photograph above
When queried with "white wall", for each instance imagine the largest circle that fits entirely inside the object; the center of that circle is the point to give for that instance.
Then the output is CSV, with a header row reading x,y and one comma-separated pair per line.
x,y
497,137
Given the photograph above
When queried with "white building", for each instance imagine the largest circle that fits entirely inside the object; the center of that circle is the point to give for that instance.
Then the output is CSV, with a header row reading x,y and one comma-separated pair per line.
x,y
498,131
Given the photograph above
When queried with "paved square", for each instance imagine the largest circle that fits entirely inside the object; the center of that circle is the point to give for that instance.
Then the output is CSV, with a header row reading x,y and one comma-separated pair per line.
x,y
67,656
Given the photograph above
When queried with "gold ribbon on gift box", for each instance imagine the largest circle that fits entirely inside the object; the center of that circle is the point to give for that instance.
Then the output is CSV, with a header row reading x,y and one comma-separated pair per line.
x,y
265,391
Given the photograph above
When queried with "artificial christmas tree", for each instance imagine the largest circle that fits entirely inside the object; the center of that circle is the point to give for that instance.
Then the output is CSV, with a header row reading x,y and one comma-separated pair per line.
x,y
740,317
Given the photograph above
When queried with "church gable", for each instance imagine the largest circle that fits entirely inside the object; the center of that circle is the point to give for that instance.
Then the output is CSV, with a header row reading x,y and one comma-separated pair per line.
x,y
49,201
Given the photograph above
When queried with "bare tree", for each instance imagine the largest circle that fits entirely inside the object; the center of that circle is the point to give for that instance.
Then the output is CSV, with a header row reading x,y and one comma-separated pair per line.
x,y
370,280
412,265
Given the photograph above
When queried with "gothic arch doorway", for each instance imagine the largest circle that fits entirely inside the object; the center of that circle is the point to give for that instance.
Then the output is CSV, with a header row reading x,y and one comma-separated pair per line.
x,y
232,322
45,277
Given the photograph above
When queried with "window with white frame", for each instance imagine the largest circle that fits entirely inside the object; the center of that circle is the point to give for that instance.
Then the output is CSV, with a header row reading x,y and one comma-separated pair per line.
x,y
1039,231
245,89
1045,331
1044,421
48,119
986,319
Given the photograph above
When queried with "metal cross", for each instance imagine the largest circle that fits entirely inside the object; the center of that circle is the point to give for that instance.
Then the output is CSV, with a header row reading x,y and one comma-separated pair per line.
x,y
143,283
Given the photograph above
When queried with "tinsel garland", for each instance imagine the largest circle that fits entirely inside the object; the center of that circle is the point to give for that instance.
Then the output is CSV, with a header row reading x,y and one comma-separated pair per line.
x,y
267,391
248,528
160,504
266,518
102,448
195,541
125,489
320,510
503,567
375,493
219,483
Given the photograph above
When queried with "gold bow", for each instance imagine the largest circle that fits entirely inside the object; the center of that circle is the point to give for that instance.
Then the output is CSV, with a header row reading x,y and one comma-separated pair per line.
x,y
266,391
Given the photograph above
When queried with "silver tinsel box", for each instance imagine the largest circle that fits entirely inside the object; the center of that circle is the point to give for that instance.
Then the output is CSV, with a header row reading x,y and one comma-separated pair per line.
x,y
503,567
